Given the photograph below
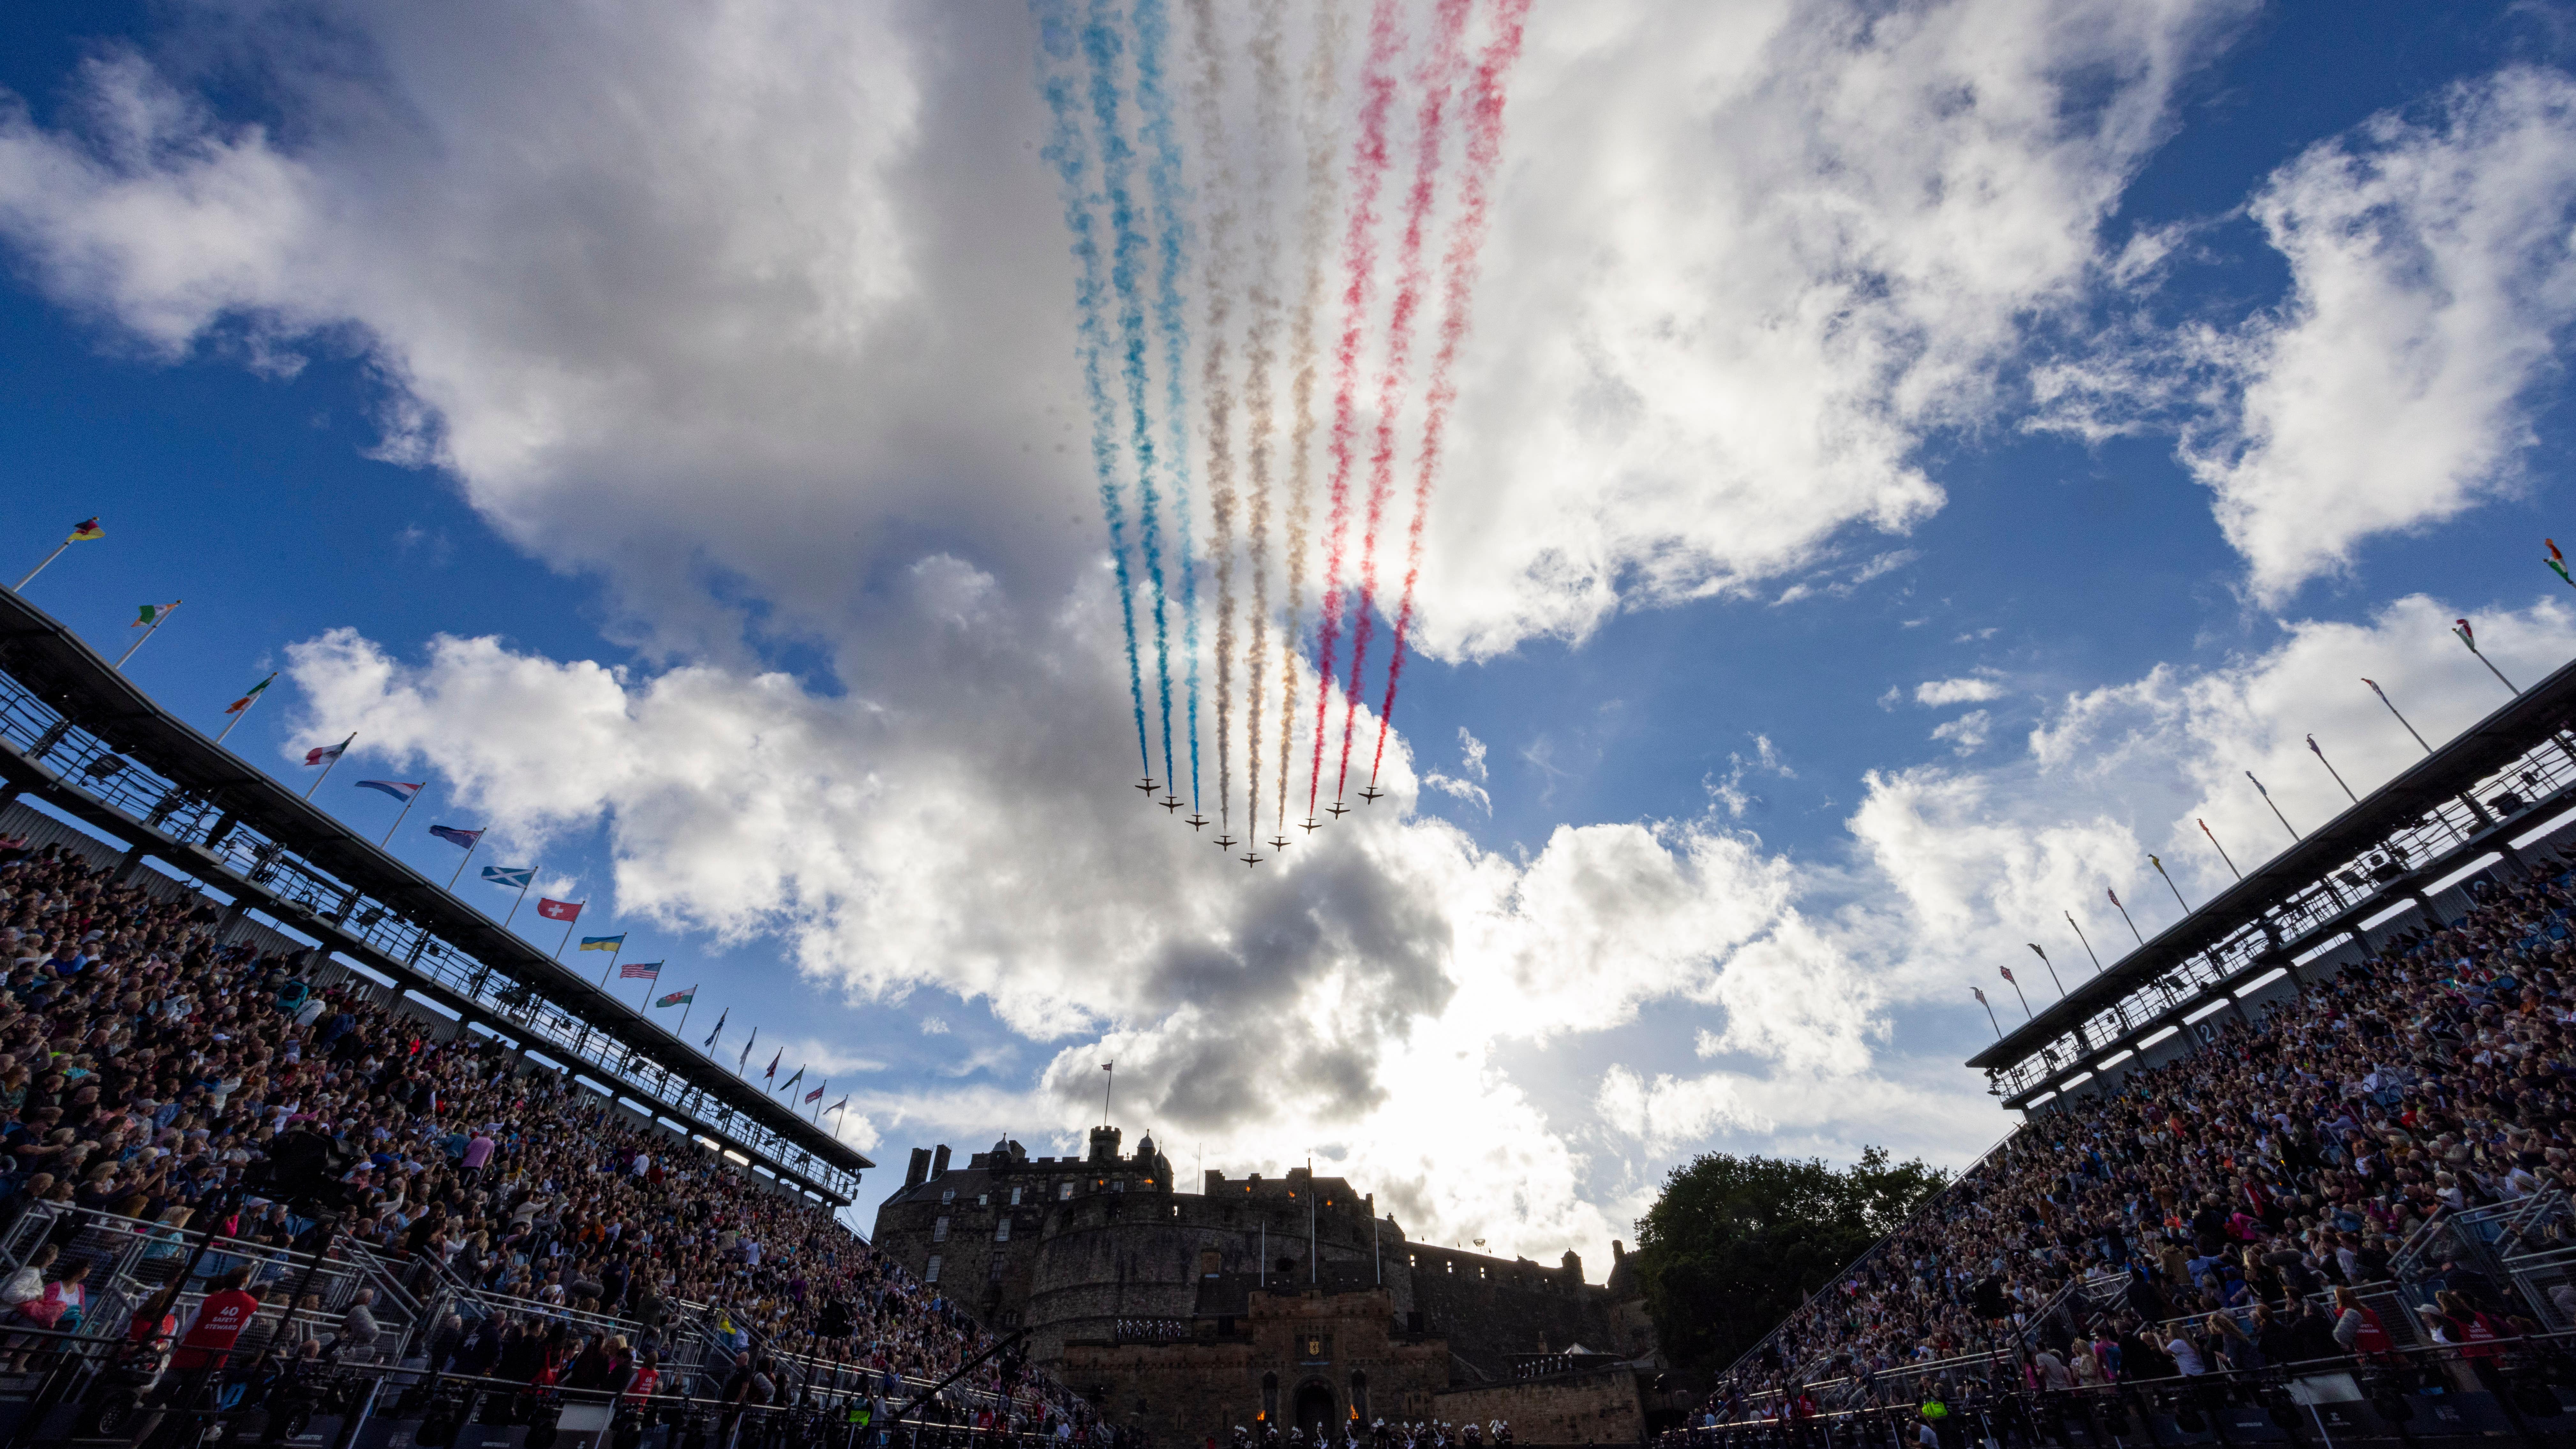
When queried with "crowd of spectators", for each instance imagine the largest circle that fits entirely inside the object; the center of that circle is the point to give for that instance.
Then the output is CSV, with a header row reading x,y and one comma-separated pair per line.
x,y
2254,1190
146,1065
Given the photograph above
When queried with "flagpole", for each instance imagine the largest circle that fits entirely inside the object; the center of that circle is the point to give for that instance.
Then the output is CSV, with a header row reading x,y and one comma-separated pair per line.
x,y
2316,750
2017,991
2465,637
818,1100
2124,915
683,1032
247,705
2051,965
175,603
612,956
398,815
567,938
2392,709
2088,944
468,860
40,568
328,765
1990,1012
523,891
2169,885
2276,810
2221,849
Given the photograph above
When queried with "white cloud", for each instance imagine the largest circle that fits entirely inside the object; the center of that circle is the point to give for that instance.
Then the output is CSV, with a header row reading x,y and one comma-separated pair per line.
x,y
1828,230
2432,276
1938,692
1467,784
1967,732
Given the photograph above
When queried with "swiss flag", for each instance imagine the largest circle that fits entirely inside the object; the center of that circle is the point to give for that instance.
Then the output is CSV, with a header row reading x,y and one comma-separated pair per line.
x,y
558,910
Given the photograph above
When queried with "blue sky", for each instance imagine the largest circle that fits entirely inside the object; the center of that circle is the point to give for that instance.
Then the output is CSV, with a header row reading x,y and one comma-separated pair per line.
x,y
762,400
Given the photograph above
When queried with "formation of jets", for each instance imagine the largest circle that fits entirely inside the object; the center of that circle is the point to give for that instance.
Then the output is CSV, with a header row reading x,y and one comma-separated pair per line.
x,y
1226,842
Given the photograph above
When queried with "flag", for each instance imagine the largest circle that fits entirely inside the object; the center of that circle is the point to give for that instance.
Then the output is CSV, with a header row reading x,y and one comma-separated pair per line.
x,y
1981,996
836,1106
2258,786
745,1059
2115,897
558,910
252,694
85,531
2557,561
677,998
720,1021
325,754
790,1084
643,970
2008,976
603,943
816,1095
514,876
772,1073
401,790
2466,635
461,839
150,614
2312,748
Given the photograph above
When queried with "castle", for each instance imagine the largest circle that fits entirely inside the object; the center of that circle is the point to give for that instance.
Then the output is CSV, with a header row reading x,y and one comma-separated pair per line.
x,y
1282,1301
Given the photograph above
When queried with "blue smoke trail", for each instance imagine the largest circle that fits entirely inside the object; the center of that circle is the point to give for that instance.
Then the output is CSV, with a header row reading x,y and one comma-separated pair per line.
x,y
1171,319
1066,152
1100,46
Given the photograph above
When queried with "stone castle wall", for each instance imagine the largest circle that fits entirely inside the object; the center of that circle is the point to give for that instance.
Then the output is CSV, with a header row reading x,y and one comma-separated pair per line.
x,y
1605,1407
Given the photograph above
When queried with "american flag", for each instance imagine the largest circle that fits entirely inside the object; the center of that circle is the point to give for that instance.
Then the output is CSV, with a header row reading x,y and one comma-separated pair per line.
x,y
646,969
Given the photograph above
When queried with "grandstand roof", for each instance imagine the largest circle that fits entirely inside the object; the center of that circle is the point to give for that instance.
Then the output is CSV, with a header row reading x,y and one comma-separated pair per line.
x,y
39,658
2447,777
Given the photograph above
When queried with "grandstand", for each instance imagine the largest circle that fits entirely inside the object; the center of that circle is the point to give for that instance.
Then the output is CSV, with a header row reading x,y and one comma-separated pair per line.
x,y
2300,1163
555,1212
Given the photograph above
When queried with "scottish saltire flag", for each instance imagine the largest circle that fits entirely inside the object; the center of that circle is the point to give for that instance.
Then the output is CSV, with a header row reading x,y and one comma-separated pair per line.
x,y
720,1021
679,998
603,943
516,877
461,839
643,970
401,790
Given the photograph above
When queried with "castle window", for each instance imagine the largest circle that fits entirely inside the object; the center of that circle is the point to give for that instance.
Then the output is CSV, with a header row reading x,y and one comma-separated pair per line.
x,y
1064,1192
1015,1197
1211,1262
931,1274
1359,1397
948,1195
995,1275
939,1231
1001,1234
983,1199
1270,1398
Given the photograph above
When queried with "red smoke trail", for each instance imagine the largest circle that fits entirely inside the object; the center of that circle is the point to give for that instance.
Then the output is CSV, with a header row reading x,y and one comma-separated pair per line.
x,y
1484,121
1438,72
1359,258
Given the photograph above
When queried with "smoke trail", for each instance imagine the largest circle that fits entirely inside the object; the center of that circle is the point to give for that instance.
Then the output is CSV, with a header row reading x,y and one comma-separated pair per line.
x,y
1484,121
1438,74
1217,385
1066,152
1359,258
1100,47
1260,346
1323,196
1172,235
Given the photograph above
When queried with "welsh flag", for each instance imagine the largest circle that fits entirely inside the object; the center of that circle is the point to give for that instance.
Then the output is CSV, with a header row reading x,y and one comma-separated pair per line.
x,y
678,998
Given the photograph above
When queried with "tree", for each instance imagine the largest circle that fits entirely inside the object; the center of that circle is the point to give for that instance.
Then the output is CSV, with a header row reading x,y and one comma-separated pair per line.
x,y
1733,1244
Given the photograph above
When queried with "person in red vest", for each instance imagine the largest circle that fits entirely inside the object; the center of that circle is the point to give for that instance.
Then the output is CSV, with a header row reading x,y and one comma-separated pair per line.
x,y
220,1321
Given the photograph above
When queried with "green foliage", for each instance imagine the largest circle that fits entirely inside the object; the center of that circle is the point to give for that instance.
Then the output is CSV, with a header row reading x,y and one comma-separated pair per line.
x,y
1734,1243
